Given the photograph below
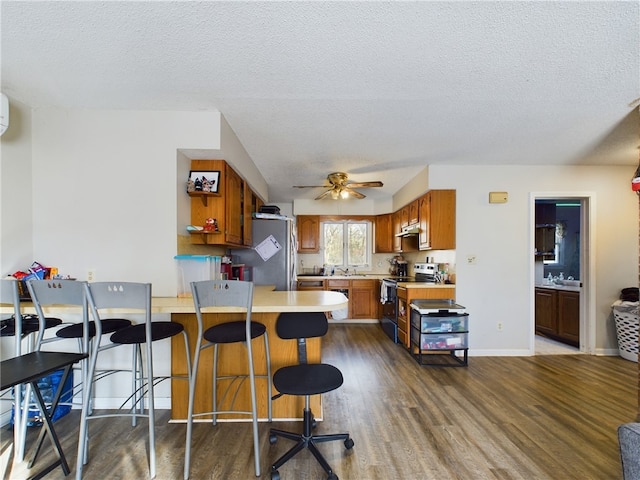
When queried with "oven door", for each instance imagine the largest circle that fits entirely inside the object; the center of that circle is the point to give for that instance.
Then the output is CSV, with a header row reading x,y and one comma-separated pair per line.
x,y
389,322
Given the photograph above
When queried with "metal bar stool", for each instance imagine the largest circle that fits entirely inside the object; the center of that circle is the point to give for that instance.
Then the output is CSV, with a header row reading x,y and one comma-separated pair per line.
x,y
227,293
134,298
46,293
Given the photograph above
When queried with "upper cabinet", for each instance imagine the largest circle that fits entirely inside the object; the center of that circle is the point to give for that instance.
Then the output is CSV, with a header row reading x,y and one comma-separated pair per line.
x,y
414,212
384,234
308,233
437,213
545,230
234,200
231,207
404,216
435,216
396,222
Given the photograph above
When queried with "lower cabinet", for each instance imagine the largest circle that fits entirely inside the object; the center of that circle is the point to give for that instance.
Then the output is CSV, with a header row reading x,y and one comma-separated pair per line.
x,y
363,299
558,315
363,296
405,297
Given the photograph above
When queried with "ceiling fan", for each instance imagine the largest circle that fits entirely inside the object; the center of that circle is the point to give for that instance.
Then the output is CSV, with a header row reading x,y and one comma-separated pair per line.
x,y
339,188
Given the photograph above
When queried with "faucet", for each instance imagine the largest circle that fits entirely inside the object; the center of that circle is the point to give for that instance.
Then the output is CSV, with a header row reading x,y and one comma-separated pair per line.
x,y
344,271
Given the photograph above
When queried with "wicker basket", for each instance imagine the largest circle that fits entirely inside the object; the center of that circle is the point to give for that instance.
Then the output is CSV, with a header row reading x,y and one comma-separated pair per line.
x,y
626,317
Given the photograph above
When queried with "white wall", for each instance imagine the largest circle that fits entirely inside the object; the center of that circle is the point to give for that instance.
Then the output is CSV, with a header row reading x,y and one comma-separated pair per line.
x,y
413,189
16,204
16,242
104,190
499,288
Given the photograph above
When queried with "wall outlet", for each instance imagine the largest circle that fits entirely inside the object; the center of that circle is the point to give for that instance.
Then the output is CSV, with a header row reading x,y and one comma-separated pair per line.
x,y
91,275
500,326
471,259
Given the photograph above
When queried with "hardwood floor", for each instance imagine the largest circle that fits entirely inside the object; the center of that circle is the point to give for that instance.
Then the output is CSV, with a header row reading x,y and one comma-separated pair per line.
x,y
539,417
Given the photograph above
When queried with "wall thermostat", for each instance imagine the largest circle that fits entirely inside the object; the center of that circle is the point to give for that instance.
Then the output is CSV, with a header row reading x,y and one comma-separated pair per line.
x,y
498,197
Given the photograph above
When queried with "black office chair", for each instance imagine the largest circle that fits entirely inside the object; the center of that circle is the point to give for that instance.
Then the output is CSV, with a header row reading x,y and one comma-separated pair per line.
x,y
305,379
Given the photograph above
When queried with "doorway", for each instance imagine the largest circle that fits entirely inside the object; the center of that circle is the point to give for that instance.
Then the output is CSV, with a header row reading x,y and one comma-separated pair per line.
x,y
562,267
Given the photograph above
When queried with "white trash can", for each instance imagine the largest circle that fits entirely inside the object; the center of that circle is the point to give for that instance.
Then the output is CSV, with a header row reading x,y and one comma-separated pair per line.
x,y
626,318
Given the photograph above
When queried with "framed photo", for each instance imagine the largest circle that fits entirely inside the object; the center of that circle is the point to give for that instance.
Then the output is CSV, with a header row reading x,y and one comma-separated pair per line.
x,y
204,181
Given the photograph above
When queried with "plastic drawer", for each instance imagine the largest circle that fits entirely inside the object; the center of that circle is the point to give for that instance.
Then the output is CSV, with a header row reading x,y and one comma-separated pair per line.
x,y
430,341
440,323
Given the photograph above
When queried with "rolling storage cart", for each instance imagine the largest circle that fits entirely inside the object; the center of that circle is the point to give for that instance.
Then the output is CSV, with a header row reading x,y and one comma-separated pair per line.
x,y
439,333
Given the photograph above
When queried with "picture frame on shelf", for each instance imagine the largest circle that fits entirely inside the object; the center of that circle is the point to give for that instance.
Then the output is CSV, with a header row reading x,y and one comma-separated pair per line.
x,y
206,181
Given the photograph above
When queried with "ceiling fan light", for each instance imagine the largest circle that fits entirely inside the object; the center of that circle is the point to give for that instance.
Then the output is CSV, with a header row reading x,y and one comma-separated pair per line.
x,y
344,194
335,194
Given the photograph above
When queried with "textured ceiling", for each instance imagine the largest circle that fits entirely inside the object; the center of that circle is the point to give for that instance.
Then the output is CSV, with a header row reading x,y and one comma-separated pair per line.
x,y
376,89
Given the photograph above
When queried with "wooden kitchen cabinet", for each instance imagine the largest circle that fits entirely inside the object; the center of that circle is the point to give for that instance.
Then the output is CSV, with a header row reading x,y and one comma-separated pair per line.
x,y
234,207
363,295
545,241
396,218
558,314
363,299
406,296
569,316
248,206
402,244
308,233
414,212
404,216
226,206
310,284
383,234
546,304
437,212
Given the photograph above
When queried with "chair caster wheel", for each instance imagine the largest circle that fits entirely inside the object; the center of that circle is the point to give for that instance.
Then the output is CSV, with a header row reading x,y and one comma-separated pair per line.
x,y
348,443
273,438
333,476
275,475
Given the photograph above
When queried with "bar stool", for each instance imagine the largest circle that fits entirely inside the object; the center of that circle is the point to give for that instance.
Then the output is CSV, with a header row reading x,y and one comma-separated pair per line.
x,y
227,293
21,328
134,298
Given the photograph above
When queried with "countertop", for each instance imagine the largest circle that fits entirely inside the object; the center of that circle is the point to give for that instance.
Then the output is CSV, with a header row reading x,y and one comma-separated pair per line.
x,y
425,285
265,300
566,288
375,277
357,276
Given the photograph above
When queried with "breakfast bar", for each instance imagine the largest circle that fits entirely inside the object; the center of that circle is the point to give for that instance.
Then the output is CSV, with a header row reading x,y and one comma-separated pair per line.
x,y
267,305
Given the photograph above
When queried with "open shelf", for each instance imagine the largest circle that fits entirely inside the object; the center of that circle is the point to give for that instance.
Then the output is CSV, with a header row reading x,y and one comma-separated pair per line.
x,y
206,236
204,196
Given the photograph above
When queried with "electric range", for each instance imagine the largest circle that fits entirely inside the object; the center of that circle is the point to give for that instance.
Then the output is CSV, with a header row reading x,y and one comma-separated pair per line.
x,y
421,273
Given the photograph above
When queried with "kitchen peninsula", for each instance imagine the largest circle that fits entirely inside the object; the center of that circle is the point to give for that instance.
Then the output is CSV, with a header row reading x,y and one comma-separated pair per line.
x,y
267,305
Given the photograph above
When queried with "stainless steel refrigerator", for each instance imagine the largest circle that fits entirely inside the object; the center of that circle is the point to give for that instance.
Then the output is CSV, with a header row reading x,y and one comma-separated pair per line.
x,y
271,258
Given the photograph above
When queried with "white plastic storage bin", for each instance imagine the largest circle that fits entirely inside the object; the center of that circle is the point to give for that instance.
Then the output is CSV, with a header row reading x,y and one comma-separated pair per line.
x,y
196,268
626,317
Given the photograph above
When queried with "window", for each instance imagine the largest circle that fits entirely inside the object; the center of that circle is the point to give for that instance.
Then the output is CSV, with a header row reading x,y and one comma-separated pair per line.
x,y
347,243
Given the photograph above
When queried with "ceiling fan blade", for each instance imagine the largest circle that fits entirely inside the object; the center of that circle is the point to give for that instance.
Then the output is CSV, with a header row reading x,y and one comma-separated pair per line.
x,y
364,184
323,195
309,186
353,193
